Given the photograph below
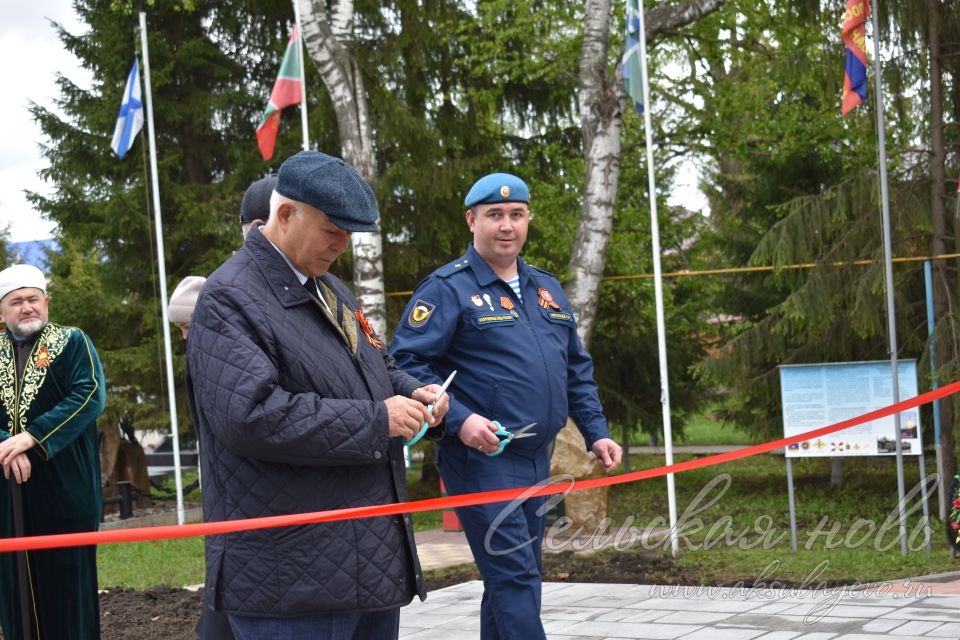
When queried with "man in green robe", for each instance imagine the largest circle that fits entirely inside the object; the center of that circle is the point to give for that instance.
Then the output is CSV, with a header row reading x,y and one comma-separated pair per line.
x,y
51,393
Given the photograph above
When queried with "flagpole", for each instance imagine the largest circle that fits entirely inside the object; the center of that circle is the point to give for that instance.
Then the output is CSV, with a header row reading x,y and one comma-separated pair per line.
x,y
658,289
303,76
162,267
888,275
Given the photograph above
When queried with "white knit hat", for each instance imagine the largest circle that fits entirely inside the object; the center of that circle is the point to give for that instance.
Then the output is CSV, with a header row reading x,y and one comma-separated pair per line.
x,y
184,299
21,276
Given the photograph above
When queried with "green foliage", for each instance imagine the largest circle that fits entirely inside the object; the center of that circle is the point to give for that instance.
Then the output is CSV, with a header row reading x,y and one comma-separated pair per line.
x,y
212,66
794,183
4,240
458,89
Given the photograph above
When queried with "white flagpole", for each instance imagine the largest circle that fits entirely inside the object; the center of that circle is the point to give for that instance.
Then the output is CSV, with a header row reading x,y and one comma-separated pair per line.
x,y
888,274
161,261
658,290
303,76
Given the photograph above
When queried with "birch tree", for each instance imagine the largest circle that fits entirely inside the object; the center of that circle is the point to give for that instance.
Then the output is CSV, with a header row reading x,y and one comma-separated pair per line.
x,y
602,100
327,37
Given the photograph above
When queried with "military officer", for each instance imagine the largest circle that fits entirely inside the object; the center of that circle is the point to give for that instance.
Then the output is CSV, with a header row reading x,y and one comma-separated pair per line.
x,y
507,328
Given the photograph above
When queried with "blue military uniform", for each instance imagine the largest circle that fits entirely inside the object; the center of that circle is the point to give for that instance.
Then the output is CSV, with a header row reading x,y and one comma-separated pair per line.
x,y
519,360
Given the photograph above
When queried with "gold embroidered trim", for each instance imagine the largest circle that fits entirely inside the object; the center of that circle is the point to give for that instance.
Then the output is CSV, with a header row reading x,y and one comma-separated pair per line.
x,y
53,340
8,379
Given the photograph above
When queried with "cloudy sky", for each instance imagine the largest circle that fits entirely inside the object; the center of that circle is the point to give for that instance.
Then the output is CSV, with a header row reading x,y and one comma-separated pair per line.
x,y
32,56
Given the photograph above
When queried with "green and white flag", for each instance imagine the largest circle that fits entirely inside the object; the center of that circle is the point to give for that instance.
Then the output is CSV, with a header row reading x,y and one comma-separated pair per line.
x,y
287,91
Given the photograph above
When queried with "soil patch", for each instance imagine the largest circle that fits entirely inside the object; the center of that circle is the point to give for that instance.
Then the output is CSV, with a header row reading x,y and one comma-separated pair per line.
x,y
158,613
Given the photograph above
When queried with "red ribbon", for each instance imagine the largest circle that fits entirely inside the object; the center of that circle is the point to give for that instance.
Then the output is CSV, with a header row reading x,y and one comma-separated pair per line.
x,y
503,495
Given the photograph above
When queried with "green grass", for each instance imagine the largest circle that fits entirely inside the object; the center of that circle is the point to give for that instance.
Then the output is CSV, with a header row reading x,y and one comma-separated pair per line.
x,y
140,565
737,520
705,429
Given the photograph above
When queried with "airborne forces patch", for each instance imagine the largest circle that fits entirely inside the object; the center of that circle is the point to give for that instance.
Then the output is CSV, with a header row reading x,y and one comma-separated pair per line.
x,y
420,313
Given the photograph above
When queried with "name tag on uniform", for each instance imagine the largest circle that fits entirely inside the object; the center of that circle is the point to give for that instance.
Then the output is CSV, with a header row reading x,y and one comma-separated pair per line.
x,y
490,319
560,315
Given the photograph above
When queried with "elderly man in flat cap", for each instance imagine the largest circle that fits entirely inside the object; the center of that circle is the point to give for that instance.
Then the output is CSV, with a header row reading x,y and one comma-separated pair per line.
x,y
51,393
507,328
301,409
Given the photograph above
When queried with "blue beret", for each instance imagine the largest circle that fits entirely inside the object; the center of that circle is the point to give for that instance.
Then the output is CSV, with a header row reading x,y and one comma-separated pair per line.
x,y
256,200
497,187
331,185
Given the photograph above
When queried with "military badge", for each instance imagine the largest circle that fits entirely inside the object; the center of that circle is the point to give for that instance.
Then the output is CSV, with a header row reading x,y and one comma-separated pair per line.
x,y
486,297
475,299
42,359
367,329
504,191
507,305
546,300
420,313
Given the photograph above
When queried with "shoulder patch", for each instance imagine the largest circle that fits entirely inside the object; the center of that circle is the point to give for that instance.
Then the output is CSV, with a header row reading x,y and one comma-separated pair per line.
x,y
451,268
420,313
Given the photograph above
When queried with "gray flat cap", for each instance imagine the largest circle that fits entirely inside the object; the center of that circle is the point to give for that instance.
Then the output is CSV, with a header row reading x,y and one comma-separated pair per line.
x,y
331,185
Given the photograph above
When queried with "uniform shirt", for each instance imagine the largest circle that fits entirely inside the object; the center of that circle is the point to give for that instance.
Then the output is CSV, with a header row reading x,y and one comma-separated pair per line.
x,y
517,361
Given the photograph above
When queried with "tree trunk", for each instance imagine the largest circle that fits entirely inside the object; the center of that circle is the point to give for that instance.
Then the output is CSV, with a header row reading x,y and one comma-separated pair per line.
x,y
601,99
938,216
601,118
327,35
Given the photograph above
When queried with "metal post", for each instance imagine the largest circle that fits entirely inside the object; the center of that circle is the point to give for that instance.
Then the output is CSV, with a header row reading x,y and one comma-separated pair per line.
x,y
888,272
303,76
162,266
658,293
793,511
925,499
935,384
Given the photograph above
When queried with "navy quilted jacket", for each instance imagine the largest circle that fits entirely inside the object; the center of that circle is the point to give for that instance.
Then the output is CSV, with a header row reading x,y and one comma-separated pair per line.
x,y
290,421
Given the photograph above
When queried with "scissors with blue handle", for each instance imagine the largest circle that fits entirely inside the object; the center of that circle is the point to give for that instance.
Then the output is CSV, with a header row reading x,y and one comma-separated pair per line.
x,y
506,437
426,425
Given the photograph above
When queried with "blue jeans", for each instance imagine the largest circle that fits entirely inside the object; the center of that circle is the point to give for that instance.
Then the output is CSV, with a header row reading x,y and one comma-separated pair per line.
x,y
348,625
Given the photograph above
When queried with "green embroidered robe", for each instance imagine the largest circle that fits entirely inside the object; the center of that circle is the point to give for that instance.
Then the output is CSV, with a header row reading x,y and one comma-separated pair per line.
x,y
57,401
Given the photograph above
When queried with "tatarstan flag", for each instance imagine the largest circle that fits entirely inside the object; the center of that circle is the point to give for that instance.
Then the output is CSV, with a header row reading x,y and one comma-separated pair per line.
x,y
287,91
855,39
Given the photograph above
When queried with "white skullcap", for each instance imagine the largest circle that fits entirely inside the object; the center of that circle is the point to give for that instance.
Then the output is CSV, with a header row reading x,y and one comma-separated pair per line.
x,y
184,299
21,276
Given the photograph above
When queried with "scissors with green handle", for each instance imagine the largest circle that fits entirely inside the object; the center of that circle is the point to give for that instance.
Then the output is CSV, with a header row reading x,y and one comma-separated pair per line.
x,y
506,437
426,425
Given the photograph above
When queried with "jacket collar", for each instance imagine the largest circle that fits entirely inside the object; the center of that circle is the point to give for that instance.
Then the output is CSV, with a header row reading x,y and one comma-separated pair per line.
x,y
282,279
482,270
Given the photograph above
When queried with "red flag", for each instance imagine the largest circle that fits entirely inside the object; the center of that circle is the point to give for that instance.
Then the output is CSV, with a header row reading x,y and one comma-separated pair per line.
x,y
287,91
855,39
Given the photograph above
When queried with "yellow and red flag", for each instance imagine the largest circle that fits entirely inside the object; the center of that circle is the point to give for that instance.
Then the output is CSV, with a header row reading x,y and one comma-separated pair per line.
x,y
855,39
